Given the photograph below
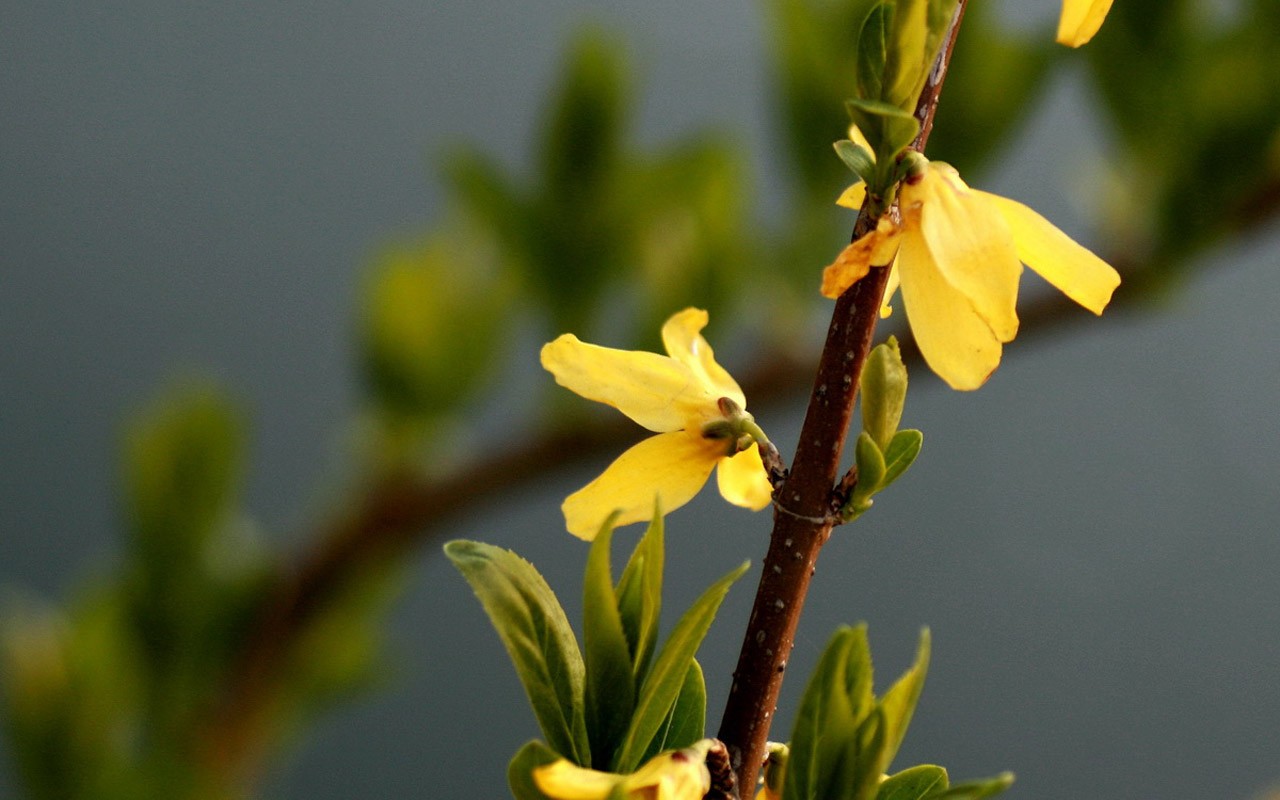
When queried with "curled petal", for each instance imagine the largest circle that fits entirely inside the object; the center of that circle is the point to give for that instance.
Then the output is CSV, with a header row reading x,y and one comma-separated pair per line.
x,y
564,780
743,481
673,466
855,261
1080,20
1075,271
853,197
954,339
681,335
655,391
971,245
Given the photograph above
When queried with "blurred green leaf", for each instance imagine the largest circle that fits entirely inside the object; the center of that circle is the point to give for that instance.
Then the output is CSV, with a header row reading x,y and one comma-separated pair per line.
x,y
431,321
183,466
533,628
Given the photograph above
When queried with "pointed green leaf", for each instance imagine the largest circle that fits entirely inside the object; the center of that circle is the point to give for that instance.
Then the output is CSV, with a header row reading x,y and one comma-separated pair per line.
x,y
872,46
913,783
975,790
663,683
533,628
866,761
640,596
520,771
901,454
688,718
826,723
899,703
906,61
610,690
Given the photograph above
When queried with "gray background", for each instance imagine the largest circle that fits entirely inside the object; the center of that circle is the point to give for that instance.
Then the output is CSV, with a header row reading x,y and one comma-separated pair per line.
x,y
189,189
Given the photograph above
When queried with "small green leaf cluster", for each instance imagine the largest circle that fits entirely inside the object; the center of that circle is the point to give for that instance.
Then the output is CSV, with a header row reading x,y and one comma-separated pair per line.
x,y
845,738
897,45
882,452
119,694
618,701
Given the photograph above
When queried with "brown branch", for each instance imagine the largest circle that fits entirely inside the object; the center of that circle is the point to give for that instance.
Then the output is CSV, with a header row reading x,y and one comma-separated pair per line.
x,y
803,512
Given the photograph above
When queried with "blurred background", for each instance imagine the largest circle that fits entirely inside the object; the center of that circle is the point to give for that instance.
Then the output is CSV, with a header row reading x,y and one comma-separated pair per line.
x,y
256,197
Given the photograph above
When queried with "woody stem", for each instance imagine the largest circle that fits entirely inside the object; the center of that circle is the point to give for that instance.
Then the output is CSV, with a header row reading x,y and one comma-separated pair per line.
x,y
803,503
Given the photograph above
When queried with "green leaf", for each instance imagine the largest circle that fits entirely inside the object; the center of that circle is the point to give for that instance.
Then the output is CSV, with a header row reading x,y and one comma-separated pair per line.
x,y
871,466
901,454
873,43
975,790
826,728
914,783
906,60
867,758
533,628
583,139
610,689
182,464
888,129
688,718
857,159
883,386
639,594
899,703
520,771
662,686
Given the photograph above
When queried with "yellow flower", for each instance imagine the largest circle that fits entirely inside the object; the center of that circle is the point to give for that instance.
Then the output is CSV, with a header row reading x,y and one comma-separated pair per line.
x,y
959,259
694,406
1080,20
677,775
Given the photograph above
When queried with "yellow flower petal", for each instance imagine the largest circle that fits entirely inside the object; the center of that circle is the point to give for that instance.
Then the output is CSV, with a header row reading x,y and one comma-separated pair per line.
x,y
853,196
673,466
681,335
674,775
857,137
955,341
743,481
855,261
970,243
1080,20
890,287
564,780
1075,271
655,391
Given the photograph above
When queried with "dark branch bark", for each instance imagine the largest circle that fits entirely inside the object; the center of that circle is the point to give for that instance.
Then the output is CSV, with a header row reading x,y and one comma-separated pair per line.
x,y
803,509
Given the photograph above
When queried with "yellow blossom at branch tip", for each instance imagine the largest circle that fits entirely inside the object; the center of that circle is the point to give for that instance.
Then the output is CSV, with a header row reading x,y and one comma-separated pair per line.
x,y
959,261
1080,20
693,405
675,775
